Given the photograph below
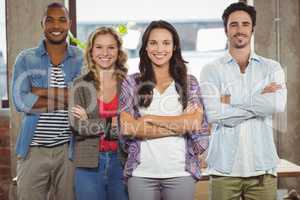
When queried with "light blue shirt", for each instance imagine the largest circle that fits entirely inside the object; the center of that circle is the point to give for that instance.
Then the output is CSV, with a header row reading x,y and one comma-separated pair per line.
x,y
247,105
33,69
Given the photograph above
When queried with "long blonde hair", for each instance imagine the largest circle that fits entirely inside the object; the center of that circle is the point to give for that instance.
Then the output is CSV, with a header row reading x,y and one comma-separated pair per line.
x,y
120,70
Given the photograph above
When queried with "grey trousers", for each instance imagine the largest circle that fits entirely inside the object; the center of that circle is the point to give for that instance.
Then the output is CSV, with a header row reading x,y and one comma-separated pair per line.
x,y
42,169
178,188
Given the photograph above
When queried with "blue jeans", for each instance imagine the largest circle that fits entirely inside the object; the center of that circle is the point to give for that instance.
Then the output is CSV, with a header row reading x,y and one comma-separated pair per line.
x,y
102,183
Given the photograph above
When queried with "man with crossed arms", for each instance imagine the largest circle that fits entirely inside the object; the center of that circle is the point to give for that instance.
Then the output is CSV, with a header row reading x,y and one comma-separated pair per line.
x,y
39,90
241,92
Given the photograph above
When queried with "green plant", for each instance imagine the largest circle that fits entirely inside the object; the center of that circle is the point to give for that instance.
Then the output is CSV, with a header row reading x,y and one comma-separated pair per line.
x,y
122,29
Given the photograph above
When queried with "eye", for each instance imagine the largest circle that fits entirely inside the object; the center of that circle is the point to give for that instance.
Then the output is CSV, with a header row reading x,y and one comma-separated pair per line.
x,y
167,43
233,24
152,42
246,24
48,19
63,19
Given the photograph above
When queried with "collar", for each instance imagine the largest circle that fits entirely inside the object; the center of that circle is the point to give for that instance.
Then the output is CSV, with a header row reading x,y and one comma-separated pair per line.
x,y
41,49
253,56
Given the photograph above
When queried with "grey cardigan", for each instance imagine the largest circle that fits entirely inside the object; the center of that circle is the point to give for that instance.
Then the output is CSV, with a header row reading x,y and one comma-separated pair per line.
x,y
86,132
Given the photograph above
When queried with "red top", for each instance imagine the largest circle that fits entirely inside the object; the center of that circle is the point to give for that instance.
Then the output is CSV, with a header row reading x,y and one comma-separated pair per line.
x,y
107,110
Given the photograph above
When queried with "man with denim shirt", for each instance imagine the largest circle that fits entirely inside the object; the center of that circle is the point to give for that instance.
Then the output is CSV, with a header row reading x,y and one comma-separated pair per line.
x,y
39,90
241,92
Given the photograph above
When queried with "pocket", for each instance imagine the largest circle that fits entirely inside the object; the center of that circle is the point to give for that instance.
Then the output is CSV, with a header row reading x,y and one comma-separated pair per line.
x,y
270,179
19,158
26,157
22,162
39,79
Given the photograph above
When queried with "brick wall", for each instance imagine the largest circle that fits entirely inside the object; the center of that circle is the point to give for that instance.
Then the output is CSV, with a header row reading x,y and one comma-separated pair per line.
x,y
5,177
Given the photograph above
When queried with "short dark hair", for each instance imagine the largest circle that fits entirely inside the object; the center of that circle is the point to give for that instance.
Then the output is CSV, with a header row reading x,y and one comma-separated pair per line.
x,y
55,5
240,6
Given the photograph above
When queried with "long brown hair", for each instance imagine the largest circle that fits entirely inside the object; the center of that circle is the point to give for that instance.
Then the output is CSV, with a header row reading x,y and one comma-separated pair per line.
x,y
177,69
120,70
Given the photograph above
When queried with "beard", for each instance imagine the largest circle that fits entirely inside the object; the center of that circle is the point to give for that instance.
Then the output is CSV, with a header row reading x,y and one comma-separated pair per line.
x,y
239,44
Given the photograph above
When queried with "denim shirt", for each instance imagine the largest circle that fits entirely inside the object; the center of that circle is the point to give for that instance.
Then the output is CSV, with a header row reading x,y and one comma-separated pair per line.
x,y
247,103
33,69
196,143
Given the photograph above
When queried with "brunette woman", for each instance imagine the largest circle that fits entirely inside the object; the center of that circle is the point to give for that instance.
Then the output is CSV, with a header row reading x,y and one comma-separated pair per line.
x,y
162,120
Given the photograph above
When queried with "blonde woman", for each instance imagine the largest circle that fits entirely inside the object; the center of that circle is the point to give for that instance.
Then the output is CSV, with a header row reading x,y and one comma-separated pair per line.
x,y
97,155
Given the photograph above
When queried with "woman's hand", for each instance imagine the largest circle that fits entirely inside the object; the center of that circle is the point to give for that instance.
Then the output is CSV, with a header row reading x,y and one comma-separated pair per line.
x,y
191,108
79,112
127,123
114,124
130,126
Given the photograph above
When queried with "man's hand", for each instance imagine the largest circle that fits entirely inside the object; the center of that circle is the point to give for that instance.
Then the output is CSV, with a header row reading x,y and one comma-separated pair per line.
x,y
225,99
57,94
44,92
272,87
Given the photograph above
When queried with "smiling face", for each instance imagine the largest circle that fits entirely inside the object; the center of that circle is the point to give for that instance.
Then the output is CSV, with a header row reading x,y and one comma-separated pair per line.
x,y
56,25
160,47
105,51
239,29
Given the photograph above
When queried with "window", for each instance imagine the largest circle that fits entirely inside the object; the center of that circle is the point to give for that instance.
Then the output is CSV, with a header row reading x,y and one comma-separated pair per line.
x,y
211,39
198,23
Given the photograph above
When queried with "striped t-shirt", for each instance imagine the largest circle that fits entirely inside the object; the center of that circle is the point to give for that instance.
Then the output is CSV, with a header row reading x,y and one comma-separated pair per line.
x,y
53,128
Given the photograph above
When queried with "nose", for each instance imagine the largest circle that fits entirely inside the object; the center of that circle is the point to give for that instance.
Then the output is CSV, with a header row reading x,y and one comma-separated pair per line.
x,y
160,47
241,28
104,51
55,24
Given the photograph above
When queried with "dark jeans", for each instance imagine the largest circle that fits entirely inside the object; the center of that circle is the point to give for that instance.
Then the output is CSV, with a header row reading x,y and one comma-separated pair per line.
x,y
104,182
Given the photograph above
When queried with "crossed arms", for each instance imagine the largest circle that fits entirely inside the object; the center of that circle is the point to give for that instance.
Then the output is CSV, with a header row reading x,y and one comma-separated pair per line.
x,y
155,126
30,99
230,111
50,99
190,121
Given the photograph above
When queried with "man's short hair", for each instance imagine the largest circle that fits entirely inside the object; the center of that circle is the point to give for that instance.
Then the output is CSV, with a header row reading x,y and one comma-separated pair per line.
x,y
240,6
55,5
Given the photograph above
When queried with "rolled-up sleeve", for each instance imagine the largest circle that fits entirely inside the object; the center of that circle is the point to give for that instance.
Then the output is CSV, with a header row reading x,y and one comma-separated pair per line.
x,y
127,104
22,96
126,99
199,139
